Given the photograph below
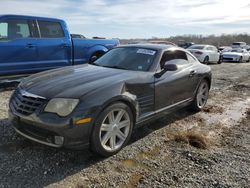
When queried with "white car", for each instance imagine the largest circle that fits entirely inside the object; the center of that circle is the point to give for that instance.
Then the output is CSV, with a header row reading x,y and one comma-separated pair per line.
x,y
236,45
225,49
205,53
236,55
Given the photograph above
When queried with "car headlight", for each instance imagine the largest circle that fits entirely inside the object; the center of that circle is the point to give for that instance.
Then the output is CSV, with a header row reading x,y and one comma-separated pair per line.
x,y
61,106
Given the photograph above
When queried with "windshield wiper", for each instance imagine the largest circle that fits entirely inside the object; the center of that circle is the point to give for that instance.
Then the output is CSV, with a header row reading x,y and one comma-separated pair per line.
x,y
93,63
115,67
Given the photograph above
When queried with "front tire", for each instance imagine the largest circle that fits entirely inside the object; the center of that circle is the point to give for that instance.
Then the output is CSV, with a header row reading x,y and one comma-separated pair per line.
x,y
240,60
112,130
201,96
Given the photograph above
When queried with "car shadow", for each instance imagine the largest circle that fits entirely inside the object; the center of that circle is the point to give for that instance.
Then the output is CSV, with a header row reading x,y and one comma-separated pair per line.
x,y
30,164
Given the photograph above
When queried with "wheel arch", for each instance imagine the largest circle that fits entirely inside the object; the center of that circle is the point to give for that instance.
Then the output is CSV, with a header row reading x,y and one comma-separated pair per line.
x,y
96,49
131,103
208,79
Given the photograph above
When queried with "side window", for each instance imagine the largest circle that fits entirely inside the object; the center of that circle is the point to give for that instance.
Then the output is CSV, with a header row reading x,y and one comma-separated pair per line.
x,y
3,30
14,29
215,49
210,48
191,59
176,56
50,29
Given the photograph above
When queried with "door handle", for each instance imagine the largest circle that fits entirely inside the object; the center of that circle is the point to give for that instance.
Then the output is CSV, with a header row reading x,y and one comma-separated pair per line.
x,y
192,73
65,45
30,46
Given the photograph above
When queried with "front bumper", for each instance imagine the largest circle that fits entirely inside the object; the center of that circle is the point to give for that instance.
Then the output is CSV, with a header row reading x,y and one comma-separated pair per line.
x,y
230,58
70,136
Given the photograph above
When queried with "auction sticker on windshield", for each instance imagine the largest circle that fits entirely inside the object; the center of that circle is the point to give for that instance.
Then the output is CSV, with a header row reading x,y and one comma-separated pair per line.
x,y
146,51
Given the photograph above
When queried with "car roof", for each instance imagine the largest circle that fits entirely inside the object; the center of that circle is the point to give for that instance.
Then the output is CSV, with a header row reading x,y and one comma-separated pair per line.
x,y
150,46
28,17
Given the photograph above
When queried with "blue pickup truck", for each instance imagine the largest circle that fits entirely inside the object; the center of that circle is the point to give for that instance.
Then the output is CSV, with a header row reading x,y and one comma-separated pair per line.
x,y
32,44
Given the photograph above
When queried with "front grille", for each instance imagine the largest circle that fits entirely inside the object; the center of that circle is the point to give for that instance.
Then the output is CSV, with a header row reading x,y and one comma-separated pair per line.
x,y
228,58
25,103
36,132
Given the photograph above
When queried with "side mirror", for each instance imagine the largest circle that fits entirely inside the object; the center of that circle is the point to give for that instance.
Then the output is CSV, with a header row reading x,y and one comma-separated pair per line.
x,y
93,59
170,67
167,67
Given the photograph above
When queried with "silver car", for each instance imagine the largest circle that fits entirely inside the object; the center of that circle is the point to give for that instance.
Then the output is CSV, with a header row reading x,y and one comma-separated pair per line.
x,y
236,55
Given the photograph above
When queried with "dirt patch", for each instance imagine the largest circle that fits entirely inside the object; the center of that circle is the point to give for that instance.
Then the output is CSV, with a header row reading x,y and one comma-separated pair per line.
x,y
213,109
129,163
151,153
194,139
133,181
240,87
248,112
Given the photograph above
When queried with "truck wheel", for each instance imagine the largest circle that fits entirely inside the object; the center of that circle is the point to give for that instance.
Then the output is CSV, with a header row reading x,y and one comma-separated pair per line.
x,y
112,130
97,55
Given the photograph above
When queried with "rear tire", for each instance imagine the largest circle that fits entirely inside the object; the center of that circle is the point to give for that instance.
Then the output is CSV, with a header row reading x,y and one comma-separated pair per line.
x,y
201,96
220,60
112,130
206,60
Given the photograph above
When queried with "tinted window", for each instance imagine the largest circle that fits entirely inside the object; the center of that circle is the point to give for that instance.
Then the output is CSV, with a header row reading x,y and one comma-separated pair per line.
x,y
50,29
174,55
14,29
130,58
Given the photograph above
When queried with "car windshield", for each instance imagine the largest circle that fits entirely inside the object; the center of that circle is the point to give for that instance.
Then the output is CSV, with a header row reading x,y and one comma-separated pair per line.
x,y
129,58
198,47
237,50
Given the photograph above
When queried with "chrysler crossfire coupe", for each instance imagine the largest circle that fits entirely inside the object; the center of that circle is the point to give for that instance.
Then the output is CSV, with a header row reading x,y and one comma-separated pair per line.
x,y
98,105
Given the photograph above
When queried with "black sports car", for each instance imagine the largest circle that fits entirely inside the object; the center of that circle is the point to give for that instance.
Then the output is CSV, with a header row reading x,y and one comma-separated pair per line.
x,y
99,104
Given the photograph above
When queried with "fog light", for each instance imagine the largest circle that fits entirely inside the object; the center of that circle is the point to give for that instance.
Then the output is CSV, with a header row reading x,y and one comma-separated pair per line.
x,y
59,140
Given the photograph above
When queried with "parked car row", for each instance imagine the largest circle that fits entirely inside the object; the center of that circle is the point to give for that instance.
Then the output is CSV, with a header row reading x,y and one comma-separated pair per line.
x,y
210,54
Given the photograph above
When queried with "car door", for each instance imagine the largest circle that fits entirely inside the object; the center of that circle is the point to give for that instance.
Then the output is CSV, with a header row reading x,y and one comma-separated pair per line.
x,y
54,45
175,87
216,54
18,52
210,53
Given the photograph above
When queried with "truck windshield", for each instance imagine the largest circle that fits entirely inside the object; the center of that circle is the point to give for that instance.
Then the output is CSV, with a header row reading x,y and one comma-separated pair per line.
x,y
129,58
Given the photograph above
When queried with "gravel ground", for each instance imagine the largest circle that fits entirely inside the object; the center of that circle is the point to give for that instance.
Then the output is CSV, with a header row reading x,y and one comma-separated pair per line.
x,y
183,149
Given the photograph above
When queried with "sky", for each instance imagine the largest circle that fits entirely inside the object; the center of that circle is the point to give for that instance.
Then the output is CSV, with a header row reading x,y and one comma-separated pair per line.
x,y
140,18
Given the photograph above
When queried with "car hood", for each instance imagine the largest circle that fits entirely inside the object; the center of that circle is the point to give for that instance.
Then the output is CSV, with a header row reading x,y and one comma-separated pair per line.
x,y
74,81
232,53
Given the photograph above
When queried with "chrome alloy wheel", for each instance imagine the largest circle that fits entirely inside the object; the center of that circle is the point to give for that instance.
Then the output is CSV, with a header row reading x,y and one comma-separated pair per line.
x,y
114,129
202,95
